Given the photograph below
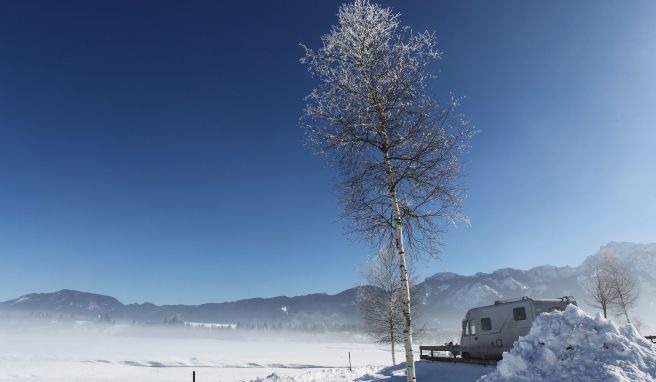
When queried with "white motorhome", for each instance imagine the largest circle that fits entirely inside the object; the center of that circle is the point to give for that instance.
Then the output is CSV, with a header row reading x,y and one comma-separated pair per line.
x,y
488,331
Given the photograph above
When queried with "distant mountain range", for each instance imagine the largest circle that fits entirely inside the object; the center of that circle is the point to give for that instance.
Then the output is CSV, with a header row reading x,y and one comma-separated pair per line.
x,y
445,298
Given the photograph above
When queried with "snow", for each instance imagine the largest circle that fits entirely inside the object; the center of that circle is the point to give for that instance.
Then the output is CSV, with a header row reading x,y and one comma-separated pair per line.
x,y
569,345
426,371
63,351
91,352
573,346
21,299
475,294
513,284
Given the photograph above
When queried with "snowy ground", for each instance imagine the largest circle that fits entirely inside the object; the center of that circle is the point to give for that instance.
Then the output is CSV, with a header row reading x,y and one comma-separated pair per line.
x,y
116,354
561,346
426,371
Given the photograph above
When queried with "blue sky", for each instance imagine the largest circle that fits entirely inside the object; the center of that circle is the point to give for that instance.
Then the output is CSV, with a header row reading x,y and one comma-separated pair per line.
x,y
151,150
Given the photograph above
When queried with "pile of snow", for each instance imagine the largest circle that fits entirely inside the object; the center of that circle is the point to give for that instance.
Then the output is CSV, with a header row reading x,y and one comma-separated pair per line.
x,y
573,346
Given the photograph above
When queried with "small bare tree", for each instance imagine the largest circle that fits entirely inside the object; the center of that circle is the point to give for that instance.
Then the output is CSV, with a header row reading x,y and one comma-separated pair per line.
x,y
623,284
599,289
612,284
397,149
381,300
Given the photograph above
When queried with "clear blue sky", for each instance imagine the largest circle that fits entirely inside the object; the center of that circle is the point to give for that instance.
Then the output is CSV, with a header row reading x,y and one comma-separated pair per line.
x,y
150,150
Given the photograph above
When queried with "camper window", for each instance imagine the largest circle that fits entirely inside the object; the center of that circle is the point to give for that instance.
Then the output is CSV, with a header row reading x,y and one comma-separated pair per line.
x,y
486,324
519,314
465,328
472,327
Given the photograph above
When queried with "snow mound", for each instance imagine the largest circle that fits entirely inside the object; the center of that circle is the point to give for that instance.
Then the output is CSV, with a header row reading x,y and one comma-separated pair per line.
x,y
573,346
273,377
321,375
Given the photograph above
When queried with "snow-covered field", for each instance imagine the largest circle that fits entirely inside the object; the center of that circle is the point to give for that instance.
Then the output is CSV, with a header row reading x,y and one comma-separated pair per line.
x,y
561,346
128,354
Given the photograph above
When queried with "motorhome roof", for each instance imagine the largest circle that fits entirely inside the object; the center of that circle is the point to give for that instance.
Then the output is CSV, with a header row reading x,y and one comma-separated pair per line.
x,y
567,299
512,300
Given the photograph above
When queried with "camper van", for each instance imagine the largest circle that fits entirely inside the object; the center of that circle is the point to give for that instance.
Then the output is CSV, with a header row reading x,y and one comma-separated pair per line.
x,y
488,331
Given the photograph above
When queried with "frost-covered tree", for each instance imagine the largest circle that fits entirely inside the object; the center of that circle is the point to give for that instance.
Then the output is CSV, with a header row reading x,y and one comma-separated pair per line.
x,y
598,288
623,285
612,285
381,300
397,148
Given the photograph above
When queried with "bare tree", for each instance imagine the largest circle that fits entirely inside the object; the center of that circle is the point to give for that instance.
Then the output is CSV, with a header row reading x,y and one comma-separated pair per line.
x,y
380,301
397,149
623,284
599,289
612,284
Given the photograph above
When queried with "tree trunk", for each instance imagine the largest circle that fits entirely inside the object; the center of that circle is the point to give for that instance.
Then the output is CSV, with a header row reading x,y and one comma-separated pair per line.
x,y
393,353
624,310
626,313
405,284
392,337
407,331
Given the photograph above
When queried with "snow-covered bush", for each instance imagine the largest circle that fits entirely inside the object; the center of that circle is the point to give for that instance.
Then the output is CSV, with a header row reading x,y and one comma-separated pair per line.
x,y
573,346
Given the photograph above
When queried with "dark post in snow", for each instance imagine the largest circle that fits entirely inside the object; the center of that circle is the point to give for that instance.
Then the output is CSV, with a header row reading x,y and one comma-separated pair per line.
x,y
193,376
350,368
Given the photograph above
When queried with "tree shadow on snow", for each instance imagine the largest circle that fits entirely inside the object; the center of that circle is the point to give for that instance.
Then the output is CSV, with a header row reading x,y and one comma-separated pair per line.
x,y
430,371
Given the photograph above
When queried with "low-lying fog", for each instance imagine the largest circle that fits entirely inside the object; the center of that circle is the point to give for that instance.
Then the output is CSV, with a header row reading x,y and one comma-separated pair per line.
x,y
67,350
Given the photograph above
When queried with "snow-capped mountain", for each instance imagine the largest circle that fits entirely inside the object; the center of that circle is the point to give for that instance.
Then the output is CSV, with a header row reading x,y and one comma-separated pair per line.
x,y
445,298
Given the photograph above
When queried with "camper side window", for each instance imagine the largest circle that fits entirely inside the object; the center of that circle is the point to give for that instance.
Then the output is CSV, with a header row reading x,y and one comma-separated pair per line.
x,y
486,324
472,327
519,314
465,328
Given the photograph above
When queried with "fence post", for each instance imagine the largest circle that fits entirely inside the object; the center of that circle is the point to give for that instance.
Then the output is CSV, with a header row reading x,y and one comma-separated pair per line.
x,y
193,376
350,368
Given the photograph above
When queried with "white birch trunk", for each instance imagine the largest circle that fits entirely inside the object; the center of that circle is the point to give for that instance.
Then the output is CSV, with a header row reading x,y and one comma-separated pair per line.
x,y
405,284
407,332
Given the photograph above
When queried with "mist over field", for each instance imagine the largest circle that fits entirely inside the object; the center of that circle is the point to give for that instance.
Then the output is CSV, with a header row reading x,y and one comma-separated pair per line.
x,y
65,350
77,336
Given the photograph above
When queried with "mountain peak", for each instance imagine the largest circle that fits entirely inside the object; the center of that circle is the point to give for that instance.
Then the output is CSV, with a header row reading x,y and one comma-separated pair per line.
x,y
443,276
445,297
